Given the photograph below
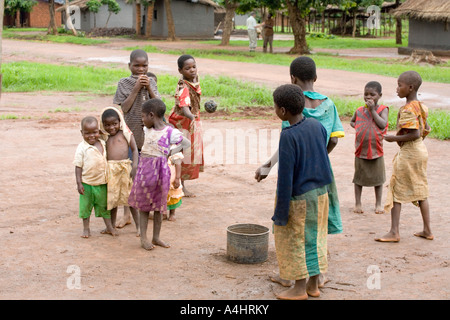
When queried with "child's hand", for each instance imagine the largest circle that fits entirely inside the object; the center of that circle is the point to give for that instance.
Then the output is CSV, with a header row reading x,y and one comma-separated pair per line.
x,y
80,188
259,172
370,104
144,80
177,183
133,172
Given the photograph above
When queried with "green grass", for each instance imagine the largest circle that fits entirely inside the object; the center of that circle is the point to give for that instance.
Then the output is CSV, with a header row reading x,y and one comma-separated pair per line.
x,y
20,34
380,66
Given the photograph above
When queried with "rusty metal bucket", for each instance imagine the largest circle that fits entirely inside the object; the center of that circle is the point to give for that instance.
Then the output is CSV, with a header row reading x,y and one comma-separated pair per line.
x,y
247,243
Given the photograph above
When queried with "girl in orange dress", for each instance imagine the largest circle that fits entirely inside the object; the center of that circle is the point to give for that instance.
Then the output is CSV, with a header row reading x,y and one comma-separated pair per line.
x,y
185,116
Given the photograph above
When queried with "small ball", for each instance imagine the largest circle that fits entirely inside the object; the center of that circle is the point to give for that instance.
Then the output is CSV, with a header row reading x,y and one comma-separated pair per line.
x,y
210,106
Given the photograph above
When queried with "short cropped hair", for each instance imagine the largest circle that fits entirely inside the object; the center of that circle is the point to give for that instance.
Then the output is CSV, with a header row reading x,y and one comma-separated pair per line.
x,y
304,68
138,53
156,106
412,78
182,59
374,85
88,120
108,113
290,97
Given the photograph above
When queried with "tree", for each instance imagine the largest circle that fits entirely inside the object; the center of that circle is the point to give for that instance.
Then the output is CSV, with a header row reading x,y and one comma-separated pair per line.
x,y
13,8
52,24
149,5
398,26
170,22
230,10
113,7
94,6
298,11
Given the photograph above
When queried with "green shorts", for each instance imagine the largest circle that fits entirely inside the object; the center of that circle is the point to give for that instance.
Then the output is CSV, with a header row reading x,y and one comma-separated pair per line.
x,y
94,197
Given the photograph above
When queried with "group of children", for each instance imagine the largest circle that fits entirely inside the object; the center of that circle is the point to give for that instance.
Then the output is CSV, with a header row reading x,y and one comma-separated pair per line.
x,y
134,159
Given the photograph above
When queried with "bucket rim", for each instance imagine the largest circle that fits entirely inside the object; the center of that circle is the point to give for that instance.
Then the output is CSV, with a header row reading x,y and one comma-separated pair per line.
x,y
266,230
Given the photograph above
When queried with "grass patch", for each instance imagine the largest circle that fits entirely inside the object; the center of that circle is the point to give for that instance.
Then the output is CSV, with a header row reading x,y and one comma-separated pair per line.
x,y
39,35
381,66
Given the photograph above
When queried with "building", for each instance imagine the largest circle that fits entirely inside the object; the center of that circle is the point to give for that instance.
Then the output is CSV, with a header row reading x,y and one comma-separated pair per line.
x,y
192,18
429,25
39,17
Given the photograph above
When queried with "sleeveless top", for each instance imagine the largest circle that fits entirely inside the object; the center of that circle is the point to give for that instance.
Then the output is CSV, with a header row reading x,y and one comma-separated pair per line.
x,y
369,137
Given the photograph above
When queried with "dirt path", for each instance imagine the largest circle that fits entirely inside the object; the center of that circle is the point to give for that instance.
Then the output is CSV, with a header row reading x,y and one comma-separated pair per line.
x,y
40,230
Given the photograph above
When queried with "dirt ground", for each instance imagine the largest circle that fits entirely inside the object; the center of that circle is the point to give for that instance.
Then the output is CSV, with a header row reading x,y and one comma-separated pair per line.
x,y
40,230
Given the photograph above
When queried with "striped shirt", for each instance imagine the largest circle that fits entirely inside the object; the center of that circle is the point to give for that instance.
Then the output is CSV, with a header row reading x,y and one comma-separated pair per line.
x,y
133,118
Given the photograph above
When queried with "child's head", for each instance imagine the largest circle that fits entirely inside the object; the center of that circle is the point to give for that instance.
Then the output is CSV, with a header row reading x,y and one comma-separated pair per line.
x,y
408,82
187,67
289,101
138,62
111,121
303,68
90,130
372,91
152,110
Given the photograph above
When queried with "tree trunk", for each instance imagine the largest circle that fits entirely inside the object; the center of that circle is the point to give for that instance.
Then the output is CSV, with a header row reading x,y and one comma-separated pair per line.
x,y
107,20
149,23
298,23
398,31
323,20
354,24
230,8
17,20
52,26
170,22
138,19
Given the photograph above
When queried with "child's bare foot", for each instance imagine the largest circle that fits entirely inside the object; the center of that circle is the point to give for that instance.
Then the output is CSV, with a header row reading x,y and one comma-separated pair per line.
x,y
322,280
164,216
284,283
161,243
86,233
138,232
358,209
292,294
379,210
147,245
123,222
172,217
425,235
112,232
389,237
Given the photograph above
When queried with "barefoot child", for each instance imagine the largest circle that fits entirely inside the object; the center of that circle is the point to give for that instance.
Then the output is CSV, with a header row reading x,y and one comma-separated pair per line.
x,y
152,182
131,93
301,209
185,116
120,173
90,173
371,123
409,173
176,190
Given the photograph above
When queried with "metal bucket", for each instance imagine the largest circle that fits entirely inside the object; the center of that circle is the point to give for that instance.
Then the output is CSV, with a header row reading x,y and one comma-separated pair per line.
x,y
247,243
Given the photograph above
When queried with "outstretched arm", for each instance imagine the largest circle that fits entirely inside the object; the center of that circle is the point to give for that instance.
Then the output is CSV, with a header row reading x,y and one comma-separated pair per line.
x,y
263,171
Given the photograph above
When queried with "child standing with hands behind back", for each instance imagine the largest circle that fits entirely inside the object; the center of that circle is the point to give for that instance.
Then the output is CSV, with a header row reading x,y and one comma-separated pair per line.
x,y
371,123
409,171
152,181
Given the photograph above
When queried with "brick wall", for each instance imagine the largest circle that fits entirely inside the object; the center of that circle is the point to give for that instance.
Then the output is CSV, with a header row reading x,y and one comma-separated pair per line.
x,y
40,16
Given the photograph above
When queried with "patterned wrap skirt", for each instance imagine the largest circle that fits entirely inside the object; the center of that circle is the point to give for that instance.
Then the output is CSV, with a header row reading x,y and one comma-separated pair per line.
x,y
301,245
151,185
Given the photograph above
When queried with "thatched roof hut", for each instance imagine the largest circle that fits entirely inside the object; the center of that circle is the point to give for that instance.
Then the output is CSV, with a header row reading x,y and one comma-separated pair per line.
x,y
431,10
428,25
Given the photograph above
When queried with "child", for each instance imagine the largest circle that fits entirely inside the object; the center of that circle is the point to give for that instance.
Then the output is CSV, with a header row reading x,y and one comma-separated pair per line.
x,y
120,174
371,123
90,172
176,190
152,181
301,209
185,116
409,173
320,107
130,94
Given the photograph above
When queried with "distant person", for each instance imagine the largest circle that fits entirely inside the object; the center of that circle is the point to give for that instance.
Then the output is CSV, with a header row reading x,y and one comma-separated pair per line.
x,y
370,122
90,173
185,116
409,171
121,169
252,32
131,93
301,208
152,181
268,33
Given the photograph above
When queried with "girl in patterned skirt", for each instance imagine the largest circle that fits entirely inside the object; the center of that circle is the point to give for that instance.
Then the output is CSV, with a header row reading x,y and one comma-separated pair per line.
x,y
152,181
